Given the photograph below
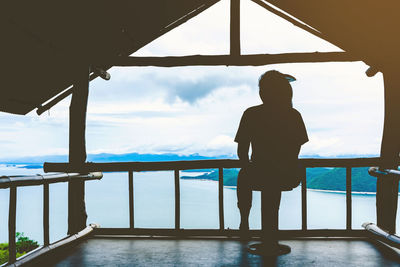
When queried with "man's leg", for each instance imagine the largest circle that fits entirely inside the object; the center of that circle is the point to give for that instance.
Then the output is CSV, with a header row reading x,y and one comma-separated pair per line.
x,y
244,196
270,201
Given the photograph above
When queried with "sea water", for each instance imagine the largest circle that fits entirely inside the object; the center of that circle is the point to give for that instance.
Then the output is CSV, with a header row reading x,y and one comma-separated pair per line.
x,y
107,204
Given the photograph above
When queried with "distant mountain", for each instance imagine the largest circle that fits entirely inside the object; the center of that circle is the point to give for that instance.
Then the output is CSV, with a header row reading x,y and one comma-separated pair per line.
x,y
230,176
317,178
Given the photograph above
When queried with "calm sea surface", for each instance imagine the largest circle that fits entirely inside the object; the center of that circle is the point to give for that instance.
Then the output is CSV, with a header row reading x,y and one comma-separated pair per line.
x,y
107,205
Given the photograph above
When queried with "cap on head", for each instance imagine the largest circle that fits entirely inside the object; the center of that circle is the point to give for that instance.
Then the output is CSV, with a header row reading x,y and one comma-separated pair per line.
x,y
276,75
275,87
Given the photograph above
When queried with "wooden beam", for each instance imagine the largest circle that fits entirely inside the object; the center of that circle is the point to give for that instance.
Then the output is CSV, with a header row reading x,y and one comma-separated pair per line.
x,y
235,28
77,149
228,60
290,19
387,189
200,164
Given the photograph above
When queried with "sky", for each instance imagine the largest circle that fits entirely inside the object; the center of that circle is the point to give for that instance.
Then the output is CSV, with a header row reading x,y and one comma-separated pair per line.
x,y
188,110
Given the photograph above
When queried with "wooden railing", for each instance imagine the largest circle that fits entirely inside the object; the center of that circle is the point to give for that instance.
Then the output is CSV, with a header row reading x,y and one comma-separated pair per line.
x,y
12,182
219,164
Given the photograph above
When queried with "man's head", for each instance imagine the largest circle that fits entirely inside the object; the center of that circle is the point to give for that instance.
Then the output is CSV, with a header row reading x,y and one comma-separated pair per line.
x,y
275,88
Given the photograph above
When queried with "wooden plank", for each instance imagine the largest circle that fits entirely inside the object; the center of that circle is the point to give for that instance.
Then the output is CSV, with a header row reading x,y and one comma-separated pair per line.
x,y
235,28
131,204
199,164
236,60
12,253
221,198
177,200
46,232
348,199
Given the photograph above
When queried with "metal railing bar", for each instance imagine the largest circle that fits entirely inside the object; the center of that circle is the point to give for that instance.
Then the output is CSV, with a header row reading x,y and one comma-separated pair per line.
x,y
381,235
221,198
46,234
348,199
12,253
227,232
9,181
199,164
38,256
131,205
177,200
375,171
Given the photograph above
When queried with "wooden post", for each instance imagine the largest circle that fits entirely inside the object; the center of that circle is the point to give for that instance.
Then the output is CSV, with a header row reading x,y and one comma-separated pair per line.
x,y
235,27
177,200
12,254
77,149
221,198
387,187
304,201
348,199
131,204
46,230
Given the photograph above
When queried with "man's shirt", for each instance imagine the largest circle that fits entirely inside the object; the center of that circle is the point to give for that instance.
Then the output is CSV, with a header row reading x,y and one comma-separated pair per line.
x,y
274,134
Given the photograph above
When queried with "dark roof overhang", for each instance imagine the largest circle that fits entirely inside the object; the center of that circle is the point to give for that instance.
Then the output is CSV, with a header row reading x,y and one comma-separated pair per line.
x,y
42,42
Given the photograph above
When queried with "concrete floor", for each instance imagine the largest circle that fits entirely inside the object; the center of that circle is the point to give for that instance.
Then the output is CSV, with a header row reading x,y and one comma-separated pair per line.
x,y
203,252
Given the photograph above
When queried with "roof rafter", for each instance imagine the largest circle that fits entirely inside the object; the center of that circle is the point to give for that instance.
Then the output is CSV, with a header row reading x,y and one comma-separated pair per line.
x,y
229,60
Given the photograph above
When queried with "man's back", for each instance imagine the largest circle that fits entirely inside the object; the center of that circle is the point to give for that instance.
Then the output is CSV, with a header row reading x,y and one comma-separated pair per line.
x,y
274,134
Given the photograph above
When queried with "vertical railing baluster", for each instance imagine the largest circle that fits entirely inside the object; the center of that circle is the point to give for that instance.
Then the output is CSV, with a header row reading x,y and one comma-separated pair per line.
x,y
348,199
304,201
12,254
46,235
131,204
221,198
177,201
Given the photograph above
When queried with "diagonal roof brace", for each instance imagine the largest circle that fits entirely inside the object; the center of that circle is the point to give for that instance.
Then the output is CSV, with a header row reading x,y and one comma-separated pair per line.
x,y
292,20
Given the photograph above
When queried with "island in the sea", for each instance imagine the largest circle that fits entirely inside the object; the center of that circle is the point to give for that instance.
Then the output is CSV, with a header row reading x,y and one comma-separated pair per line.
x,y
333,179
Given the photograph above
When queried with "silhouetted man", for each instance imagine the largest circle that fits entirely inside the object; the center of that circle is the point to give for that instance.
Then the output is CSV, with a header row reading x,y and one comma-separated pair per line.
x,y
276,132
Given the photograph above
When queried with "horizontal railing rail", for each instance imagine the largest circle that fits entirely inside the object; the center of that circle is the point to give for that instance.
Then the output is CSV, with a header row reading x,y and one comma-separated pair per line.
x,y
37,257
28,180
12,182
375,171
